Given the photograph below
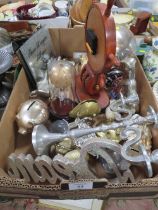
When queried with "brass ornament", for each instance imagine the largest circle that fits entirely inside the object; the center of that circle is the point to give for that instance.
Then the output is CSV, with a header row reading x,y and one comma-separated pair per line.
x,y
65,146
114,135
87,108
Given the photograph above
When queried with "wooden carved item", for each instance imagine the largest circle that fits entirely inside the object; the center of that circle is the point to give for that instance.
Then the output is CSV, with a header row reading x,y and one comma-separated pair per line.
x,y
28,168
141,23
101,49
70,167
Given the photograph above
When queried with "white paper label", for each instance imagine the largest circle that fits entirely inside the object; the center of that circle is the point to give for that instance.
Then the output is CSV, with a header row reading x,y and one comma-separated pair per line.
x,y
81,186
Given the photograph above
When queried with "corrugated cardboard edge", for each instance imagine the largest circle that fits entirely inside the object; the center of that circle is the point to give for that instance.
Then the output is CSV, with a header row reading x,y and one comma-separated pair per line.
x,y
8,185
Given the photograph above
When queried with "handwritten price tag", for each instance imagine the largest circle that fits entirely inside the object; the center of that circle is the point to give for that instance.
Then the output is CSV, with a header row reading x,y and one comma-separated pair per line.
x,y
81,186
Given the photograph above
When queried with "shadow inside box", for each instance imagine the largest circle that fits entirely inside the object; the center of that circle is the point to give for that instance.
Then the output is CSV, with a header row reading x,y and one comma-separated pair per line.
x,y
1,112
4,97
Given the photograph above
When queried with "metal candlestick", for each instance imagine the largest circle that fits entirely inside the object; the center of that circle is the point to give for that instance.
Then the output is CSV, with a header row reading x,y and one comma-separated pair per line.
x,y
41,138
143,157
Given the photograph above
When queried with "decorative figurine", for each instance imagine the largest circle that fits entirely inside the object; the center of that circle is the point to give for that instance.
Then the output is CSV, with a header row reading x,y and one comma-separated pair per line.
x,y
32,112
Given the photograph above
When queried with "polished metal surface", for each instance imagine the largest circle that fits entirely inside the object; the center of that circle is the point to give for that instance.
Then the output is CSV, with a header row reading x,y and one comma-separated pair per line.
x,y
31,113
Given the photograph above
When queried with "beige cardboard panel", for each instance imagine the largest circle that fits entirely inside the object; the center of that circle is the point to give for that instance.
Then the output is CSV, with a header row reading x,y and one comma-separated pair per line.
x,y
72,40
146,98
67,41
8,125
144,91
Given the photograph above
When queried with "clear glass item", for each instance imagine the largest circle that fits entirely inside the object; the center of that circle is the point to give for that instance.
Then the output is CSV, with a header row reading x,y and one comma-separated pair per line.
x,y
62,88
125,42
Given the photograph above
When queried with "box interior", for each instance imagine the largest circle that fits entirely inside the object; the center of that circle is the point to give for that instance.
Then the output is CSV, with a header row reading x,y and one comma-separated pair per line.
x,y
64,42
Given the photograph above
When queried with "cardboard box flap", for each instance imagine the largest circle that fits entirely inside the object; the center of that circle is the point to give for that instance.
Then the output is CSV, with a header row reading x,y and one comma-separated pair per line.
x,y
8,128
66,41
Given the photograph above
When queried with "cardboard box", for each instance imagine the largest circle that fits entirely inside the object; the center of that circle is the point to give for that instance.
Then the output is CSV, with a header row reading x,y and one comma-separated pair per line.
x,y
65,42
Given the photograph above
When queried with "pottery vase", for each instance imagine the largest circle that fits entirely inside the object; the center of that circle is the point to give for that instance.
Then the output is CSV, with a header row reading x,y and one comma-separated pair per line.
x,y
150,63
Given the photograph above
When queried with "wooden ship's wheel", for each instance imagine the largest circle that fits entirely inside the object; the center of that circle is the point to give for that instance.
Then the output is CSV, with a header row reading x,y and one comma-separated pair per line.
x,y
100,34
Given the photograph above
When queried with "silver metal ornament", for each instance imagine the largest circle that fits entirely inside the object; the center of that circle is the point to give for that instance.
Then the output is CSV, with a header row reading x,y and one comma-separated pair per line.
x,y
31,113
41,138
143,157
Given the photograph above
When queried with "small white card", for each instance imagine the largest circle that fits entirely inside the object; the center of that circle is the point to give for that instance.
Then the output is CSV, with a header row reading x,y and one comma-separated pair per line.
x,y
81,186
